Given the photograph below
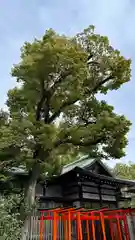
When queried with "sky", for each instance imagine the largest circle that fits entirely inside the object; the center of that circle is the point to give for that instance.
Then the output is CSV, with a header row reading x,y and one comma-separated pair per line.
x,y
23,20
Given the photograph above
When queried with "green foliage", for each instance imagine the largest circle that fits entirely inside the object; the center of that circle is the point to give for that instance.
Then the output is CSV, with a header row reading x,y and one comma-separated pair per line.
x,y
54,113
54,110
125,171
10,225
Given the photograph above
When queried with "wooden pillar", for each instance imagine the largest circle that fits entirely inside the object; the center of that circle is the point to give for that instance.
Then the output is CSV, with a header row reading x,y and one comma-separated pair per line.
x,y
44,189
80,193
117,197
100,195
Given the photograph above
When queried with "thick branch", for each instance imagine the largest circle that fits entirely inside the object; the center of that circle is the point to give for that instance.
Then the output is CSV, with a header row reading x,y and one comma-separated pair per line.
x,y
46,96
93,62
62,77
40,104
101,83
63,106
41,101
89,57
87,122
96,87
46,109
85,143
89,62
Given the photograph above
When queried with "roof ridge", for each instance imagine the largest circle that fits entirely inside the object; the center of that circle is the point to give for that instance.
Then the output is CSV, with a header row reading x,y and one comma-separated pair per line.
x,y
77,161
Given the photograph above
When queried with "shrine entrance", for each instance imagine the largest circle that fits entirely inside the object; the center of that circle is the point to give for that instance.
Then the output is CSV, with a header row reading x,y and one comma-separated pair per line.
x,y
86,224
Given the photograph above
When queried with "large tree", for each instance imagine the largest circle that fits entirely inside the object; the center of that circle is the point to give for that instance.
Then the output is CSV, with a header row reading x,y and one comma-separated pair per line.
x,y
54,110
125,171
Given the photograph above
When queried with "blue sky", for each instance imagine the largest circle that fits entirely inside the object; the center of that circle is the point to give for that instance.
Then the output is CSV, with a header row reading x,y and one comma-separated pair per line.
x,y
22,20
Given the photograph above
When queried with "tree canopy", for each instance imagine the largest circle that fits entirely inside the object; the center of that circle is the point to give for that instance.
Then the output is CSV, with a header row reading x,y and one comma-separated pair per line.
x,y
125,171
54,112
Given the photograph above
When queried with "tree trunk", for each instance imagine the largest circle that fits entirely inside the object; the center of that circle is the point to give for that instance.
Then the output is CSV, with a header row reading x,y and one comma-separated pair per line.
x,y
29,198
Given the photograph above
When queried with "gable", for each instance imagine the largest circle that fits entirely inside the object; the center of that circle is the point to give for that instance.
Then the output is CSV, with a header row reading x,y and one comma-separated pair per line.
x,y
89,164
81,162
99,168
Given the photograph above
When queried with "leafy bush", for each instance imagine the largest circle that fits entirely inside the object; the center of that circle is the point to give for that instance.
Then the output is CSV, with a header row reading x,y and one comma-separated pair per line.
x,y
10,225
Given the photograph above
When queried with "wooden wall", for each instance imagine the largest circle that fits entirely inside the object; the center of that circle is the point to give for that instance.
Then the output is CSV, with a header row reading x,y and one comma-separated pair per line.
x,y
85,191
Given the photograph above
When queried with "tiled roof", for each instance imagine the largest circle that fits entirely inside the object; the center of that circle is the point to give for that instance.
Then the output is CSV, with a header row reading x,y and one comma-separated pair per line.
x,y
82,162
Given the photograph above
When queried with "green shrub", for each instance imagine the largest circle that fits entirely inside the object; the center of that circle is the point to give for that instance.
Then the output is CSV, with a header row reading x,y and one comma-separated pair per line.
x,y
10,225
